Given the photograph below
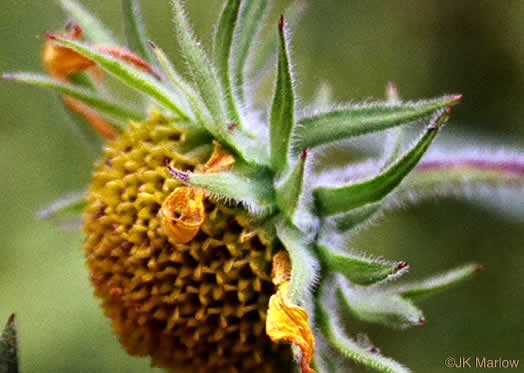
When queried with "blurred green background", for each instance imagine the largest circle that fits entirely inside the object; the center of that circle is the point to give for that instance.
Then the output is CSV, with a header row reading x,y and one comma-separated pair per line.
x,y
427,47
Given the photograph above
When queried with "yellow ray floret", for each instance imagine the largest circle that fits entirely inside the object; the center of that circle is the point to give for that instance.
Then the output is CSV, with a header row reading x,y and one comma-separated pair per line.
x,y
285,321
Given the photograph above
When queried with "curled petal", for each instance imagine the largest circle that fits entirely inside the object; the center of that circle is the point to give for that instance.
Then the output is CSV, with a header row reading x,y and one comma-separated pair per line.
x,y
61,62
182,214
285,321
219,161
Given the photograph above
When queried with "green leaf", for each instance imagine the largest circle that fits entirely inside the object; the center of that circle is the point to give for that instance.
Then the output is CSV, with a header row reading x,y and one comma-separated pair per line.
x,y
197,106
330,326
282,118
458,174
250,20
379,307
396,137
435,284
102,105
134,28
289,189
9,347
265,54
357,269
363,119
93,29
253,190
203,73
128,74
223,43
304,264
206,79
324,361
82,79
72,204
336,200
351,219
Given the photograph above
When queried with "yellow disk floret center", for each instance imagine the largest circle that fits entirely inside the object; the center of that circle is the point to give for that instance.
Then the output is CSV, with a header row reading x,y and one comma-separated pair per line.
x,y
195,298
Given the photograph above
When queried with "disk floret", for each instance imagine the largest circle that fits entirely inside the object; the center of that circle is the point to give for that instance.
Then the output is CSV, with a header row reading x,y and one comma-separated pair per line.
x,y
200,304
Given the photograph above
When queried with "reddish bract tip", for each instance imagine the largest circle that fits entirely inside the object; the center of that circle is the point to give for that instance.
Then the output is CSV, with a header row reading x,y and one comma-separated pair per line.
x,y
304,154
76,32
479,268
50,36
422,320
374,350
180,175
391,88
281,22
458,98
403,265
232,126
152,44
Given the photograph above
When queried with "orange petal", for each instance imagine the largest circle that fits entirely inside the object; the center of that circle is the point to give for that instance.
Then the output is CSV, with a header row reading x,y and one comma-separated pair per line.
x,y
98,123
61,62
220,160
285,321
127,56
182,214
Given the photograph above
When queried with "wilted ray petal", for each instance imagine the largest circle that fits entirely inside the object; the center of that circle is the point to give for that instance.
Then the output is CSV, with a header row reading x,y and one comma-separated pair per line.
x,y
220,160
182,214
99,124
285,321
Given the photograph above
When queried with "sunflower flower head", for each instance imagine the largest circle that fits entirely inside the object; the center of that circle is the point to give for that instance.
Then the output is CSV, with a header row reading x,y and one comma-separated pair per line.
x,y
213,231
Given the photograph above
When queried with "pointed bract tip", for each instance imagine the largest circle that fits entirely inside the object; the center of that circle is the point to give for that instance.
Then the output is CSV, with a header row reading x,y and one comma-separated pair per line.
x,y
281,22
392,92
479,268
455,99
391,88
50,36
447,112
304,154
75,32
152,44
402,265
232,126
180,175
422,320
11,318
391,85
374,350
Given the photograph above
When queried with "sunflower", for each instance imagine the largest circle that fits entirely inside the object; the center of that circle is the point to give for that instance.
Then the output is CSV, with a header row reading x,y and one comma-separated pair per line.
x,y
212,229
